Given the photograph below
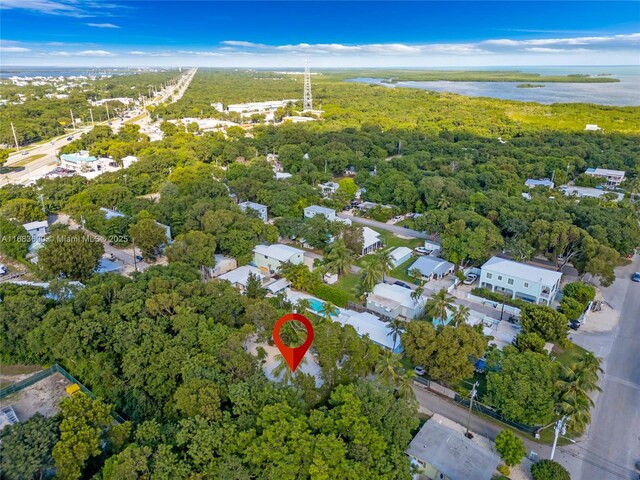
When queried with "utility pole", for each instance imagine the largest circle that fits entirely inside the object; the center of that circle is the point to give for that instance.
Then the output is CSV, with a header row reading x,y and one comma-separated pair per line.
x,y
473,395
41,198
73,120
93,124
560,428
15,137
135,260
107,107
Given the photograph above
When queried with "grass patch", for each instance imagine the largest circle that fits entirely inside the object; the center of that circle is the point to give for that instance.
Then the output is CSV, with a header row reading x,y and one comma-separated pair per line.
x,y
401,271
390,239
28,160
568,356
348,283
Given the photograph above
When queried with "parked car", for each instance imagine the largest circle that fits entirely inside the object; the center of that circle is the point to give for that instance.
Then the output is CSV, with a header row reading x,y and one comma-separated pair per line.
x,y
419,371
25,153
469,279
575,325
636,277
139,258
3,270
422,251
402,284
69,138
109,256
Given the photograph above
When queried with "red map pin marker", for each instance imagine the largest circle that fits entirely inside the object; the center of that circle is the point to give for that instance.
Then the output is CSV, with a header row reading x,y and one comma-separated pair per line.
x,y
294,355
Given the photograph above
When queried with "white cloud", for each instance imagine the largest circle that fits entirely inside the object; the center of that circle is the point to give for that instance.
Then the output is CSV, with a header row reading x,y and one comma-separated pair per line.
x,y
620,40
14,49
83,53
103,25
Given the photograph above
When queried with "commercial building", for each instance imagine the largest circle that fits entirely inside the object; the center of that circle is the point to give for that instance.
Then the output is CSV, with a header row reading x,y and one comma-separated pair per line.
x,y
432,267
270,257
394,301
260,209
613,177
82,162
519,280
260,107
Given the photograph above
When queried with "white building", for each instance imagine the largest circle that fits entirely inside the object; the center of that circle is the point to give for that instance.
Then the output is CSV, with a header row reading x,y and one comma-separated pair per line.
x,y
368,324
37,230
543,182
519,280
613,177
239,277
129,160
592,128
259,107
588,192
260,209
371,241
395,301
223,265
328,188
313,210
400,255
432,267
83,162
270,257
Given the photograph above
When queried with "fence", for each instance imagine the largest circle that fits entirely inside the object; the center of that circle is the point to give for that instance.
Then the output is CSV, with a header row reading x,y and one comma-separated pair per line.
x,y
38,376
493,414
485,301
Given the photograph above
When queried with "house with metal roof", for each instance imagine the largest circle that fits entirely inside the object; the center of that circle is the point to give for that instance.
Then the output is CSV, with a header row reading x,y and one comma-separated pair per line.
x,y
444,453
270,257
400,255
543,182
368,324
260,209
239,277
613,177
394,301
520,280
432,267
371,241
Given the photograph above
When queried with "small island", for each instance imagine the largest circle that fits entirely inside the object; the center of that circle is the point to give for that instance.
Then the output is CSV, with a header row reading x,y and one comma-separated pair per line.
x,y
530,85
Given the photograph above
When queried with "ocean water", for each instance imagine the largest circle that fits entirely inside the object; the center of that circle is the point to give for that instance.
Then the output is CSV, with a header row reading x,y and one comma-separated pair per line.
x,y
623,93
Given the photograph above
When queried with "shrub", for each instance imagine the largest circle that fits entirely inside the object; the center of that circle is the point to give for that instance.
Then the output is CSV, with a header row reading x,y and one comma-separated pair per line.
x,y
549,470
504,470
510,448
331,294
496,297
581,291
529,341
571,308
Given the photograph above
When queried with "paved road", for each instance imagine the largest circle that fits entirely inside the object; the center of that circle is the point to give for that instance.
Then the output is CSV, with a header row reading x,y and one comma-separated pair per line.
x,y
407,232
37,168
611,445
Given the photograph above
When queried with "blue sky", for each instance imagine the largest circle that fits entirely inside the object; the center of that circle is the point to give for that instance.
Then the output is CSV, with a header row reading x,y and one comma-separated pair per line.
x,y
330,34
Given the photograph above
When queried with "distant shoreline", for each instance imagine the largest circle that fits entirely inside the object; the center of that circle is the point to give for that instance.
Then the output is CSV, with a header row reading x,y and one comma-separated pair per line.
x,y
511,76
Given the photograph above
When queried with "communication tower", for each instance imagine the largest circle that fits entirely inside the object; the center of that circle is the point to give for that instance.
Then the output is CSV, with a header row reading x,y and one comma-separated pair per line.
x,y
307,103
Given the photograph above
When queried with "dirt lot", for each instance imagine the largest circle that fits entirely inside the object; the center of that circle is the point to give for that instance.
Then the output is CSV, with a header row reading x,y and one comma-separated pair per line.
x,y
43,396
10,374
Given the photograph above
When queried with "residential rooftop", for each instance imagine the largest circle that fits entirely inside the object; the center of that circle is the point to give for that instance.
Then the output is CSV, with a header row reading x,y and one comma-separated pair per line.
x,y
522,271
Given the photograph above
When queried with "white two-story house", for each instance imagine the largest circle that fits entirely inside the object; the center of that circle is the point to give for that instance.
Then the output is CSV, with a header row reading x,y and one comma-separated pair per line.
x,y
521,281
270,257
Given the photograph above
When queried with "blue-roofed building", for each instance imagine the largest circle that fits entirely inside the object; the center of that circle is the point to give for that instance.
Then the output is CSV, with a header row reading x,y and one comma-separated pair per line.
x,y
543,182
432,267
81,162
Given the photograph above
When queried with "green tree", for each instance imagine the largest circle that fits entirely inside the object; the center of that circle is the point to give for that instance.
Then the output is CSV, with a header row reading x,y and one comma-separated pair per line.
x,y
454,347
338,257
370,275
510,447
25,450
388,367
71,253
23,210
571,308
549,470
385,262
195,248
529,342
396,328
522,389
84,421
581,291
545,321
460,315
130,464
14,241
148,236
419,341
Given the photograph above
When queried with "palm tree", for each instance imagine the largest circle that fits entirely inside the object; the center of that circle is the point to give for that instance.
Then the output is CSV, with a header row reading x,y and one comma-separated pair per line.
x,y
282,371
385,261
417,293
590,363
460,315
387,367
438,305
327,310
370,274
405,385
576,404
416,274
339,258
396,327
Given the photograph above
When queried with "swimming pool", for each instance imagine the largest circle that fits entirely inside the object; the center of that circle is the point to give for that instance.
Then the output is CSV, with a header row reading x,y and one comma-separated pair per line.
x,y
316,305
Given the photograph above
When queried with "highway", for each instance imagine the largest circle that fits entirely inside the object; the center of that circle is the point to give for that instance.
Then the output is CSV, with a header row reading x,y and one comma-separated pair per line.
x,y
18,167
